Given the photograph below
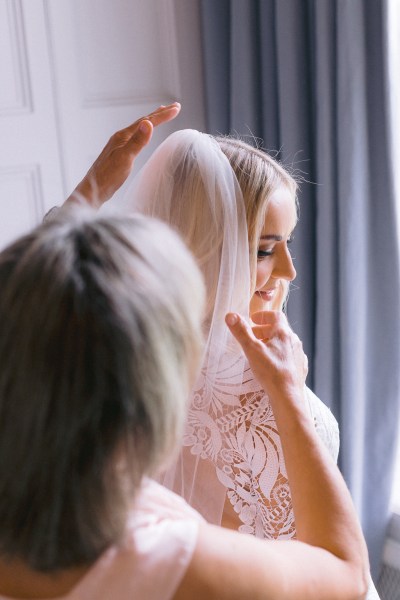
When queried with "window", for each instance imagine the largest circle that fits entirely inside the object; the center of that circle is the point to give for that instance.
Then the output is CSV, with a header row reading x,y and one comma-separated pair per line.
x,y
396,485
394,71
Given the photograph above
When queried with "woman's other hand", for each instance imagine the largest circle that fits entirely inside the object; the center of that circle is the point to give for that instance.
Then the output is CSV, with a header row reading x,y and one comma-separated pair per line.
x,y
115,163
274,351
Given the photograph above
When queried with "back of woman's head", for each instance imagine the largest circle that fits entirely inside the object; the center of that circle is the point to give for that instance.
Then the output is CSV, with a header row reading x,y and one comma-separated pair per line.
x,y
99,342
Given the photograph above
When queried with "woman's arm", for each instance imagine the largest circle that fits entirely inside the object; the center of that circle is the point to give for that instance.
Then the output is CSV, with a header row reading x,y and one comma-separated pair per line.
x,y
329,560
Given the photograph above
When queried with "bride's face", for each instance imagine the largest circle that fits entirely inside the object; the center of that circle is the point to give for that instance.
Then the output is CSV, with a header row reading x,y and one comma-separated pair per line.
x,y
274,261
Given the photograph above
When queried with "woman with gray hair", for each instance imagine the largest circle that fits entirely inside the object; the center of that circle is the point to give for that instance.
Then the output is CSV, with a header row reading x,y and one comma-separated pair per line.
x,y
100,343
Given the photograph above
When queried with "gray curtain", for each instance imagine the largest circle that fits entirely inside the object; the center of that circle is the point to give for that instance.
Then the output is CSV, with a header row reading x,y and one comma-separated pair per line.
x,y
309,77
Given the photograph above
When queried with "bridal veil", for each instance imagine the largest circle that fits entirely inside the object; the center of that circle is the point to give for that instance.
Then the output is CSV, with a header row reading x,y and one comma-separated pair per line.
x,y
188,183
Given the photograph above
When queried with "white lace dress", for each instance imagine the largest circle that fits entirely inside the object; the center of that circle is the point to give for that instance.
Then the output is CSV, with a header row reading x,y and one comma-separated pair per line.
x,y
235,434
232,452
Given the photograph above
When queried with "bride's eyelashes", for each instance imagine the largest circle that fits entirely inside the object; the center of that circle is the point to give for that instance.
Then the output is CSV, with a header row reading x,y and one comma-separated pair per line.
x,y
265,253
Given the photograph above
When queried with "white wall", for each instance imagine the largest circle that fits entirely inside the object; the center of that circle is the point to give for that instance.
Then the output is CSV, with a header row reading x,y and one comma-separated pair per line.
x,y
74,71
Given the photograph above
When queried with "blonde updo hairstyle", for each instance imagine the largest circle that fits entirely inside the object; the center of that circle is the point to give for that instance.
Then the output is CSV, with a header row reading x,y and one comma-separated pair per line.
x,y
259,176
214,191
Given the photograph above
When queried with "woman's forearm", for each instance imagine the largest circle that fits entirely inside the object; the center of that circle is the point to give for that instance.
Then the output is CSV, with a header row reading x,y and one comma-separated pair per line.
x,y
323,509
324,512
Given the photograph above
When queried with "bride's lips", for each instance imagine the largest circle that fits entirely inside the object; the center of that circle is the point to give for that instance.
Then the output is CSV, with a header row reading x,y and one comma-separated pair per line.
x,y
266,295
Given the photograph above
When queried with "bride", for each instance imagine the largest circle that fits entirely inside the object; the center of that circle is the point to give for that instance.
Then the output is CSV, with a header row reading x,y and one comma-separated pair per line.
x,y
235,208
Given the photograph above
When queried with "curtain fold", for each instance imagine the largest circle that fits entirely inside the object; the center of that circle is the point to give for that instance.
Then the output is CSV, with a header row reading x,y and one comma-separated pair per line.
x,y
309,77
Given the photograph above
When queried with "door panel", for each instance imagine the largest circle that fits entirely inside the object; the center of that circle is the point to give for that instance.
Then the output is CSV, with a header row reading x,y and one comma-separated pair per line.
x,y
74,71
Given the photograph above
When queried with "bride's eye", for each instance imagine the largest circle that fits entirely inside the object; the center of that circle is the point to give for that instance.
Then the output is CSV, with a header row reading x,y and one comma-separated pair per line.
x,y
263,254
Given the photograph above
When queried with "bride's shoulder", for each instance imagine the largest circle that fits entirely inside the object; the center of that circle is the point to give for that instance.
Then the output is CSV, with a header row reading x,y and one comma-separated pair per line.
x,y
325,422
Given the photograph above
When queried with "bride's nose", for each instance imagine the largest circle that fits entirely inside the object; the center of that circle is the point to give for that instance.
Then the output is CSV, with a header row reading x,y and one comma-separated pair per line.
x,y
284,267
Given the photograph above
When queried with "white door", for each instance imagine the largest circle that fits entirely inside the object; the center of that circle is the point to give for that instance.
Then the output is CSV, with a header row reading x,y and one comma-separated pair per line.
x,y
74,71
30,169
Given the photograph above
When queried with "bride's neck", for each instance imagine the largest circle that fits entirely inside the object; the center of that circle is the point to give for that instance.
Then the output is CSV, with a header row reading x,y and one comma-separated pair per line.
x,y
18,580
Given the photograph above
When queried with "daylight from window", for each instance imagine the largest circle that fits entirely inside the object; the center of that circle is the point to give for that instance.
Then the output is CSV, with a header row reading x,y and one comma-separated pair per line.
x,y
394,57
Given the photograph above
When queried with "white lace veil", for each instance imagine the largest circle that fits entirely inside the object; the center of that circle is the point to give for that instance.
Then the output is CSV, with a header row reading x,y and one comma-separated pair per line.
x,y
188,183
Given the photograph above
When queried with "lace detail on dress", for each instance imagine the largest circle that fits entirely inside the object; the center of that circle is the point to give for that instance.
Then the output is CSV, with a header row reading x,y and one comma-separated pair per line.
x,y
234,427
325,424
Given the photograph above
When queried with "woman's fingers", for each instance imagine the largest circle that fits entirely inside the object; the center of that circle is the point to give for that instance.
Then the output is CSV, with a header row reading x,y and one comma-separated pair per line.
x,y
140,131
135,137
269,317
163,114
112,167
273,350
240,330
258,354
268,323
263,332
272,323
139,139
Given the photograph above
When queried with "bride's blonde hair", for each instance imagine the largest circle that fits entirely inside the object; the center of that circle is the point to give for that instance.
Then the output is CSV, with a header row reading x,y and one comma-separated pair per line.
x,y
214,191
259,176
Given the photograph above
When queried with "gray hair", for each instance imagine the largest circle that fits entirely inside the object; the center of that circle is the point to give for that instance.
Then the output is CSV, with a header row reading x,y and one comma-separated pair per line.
x,y
100,341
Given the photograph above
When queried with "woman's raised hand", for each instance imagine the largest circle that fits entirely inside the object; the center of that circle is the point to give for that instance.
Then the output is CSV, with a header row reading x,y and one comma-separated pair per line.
x,y
112,167
274,351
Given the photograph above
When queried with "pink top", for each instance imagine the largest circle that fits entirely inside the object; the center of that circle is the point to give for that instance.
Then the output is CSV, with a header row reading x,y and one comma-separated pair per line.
x,y
161,536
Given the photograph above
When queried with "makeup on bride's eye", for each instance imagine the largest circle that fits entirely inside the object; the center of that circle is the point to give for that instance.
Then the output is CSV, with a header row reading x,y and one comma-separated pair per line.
x,y
263,253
